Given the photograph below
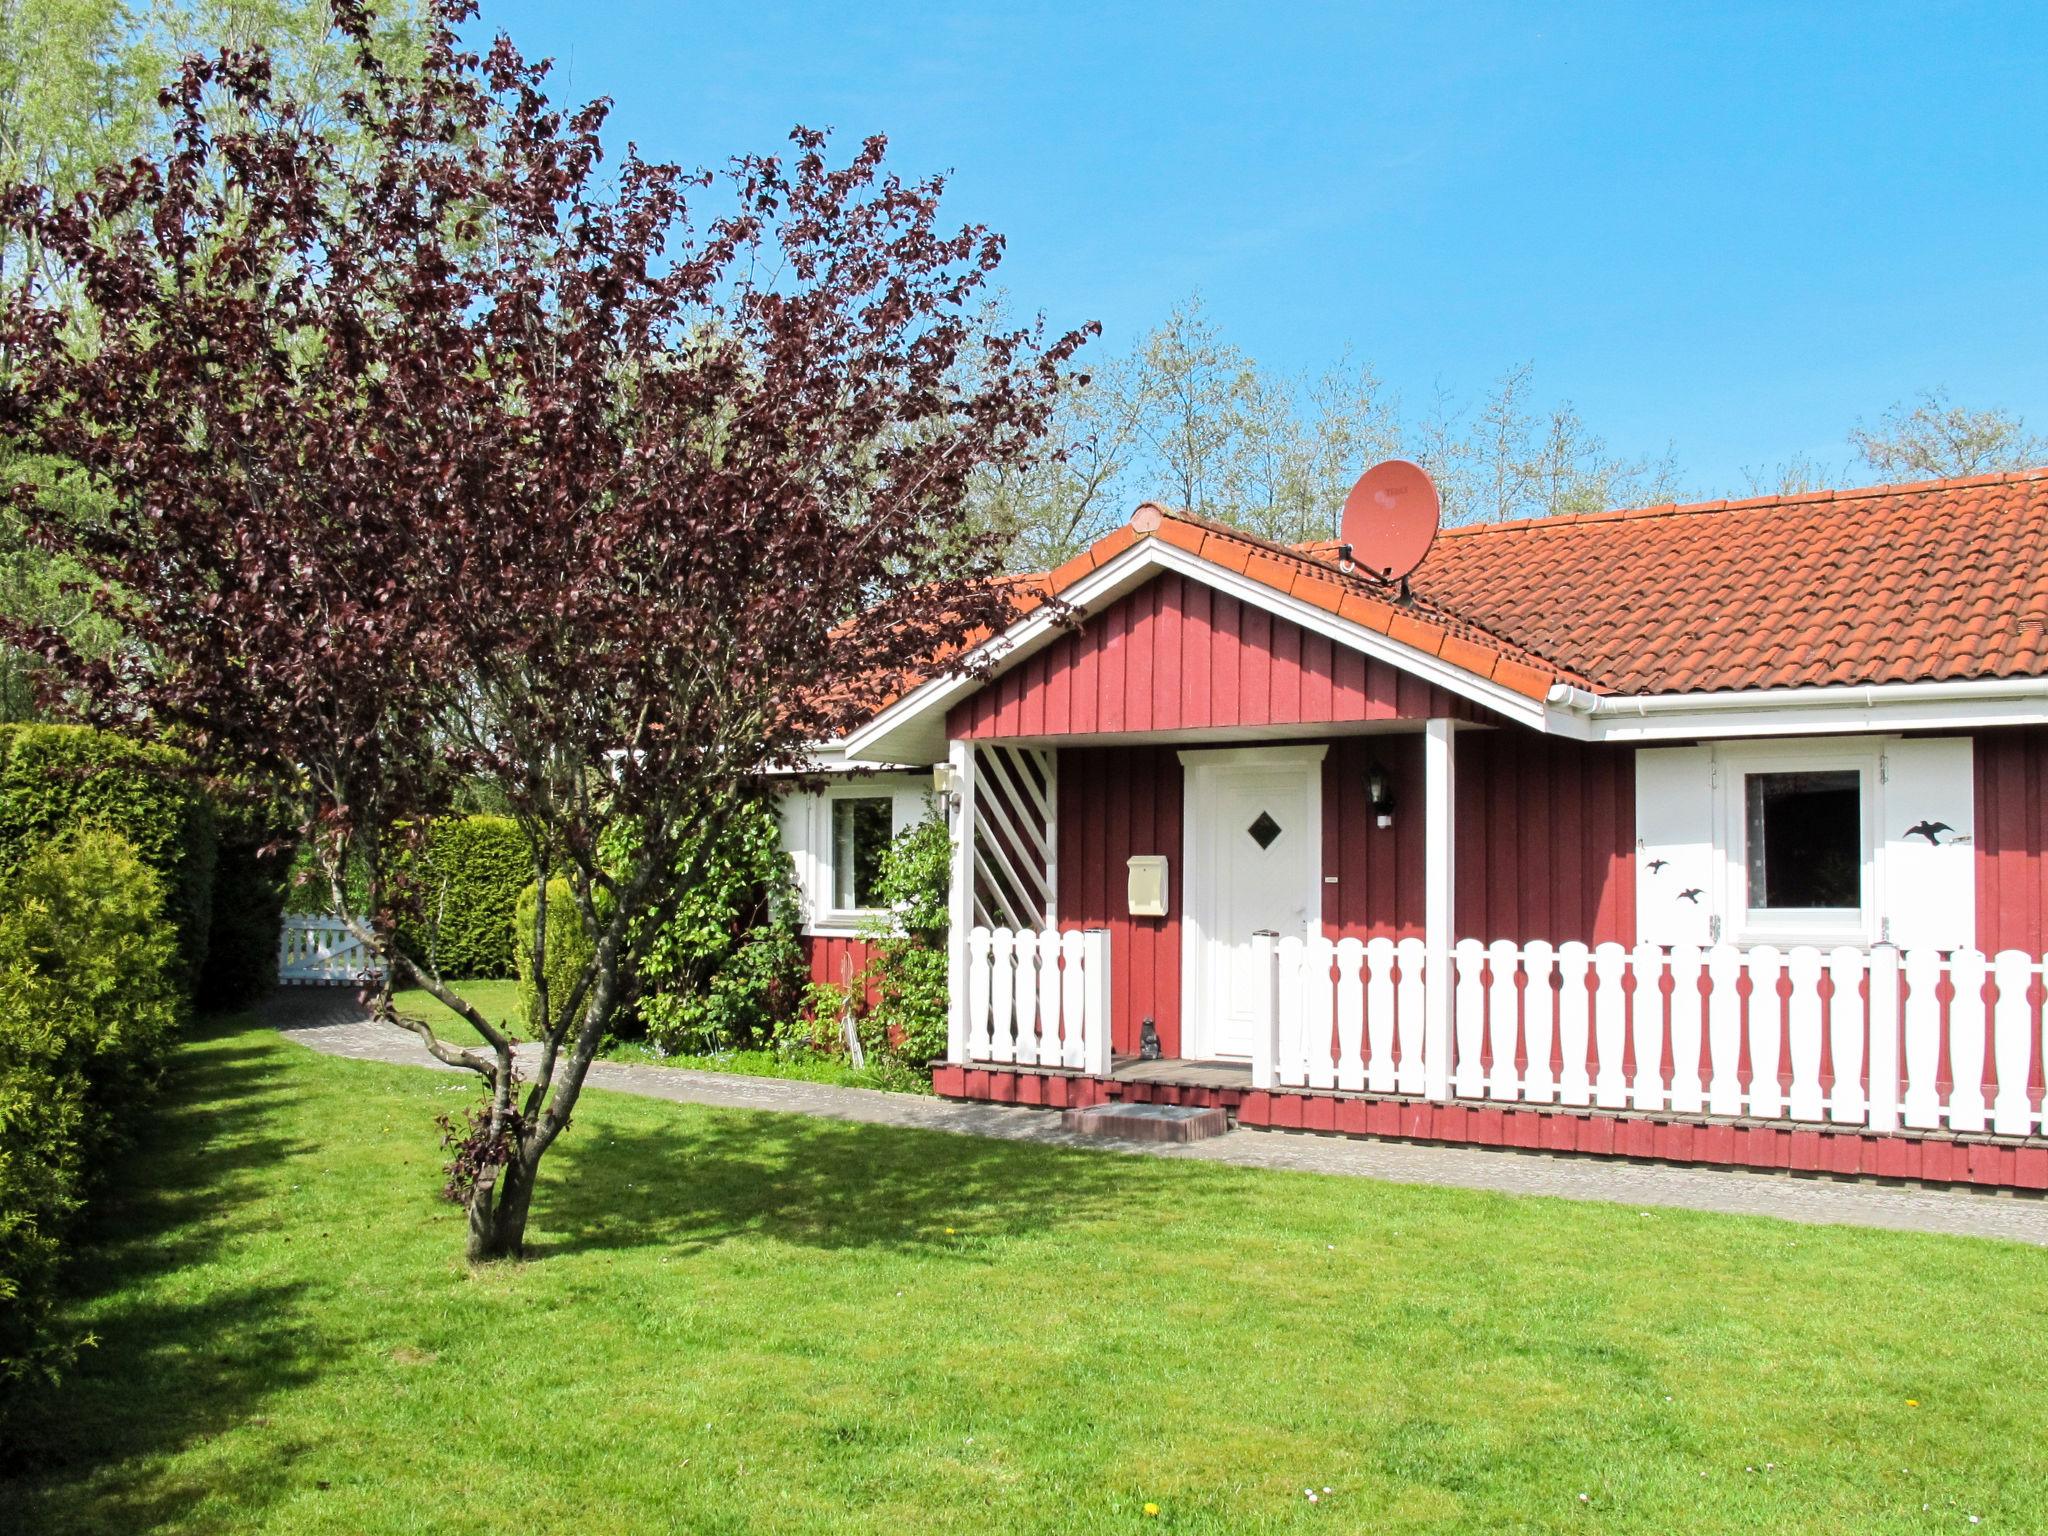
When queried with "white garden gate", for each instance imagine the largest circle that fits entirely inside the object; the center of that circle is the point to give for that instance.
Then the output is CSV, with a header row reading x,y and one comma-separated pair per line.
x,y
320,950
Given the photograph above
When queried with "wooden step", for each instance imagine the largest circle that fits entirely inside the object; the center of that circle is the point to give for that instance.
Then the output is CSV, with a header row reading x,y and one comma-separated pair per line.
x,y
1147,1122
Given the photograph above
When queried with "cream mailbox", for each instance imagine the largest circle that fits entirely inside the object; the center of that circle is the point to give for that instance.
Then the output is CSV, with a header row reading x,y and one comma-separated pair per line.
x,y
1148,885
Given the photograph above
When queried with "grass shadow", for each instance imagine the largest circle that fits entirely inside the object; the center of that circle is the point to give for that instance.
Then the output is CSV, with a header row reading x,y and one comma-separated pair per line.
x,y
164,1372
719,1174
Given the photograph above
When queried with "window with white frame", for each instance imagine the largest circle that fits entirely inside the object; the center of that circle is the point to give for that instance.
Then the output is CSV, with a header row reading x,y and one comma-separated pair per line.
x,y
861,828
1805,840
1802,847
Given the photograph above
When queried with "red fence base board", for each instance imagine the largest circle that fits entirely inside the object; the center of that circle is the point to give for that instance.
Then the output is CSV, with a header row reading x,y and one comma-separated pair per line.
x,y
1936,1159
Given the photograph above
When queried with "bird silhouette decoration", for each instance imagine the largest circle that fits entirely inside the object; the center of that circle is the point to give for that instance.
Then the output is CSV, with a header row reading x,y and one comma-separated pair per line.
x,y
1931,830
1692,894
1658,864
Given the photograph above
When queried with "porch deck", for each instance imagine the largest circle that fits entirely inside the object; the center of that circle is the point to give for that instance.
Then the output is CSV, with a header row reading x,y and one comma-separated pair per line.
x,y
1182,1071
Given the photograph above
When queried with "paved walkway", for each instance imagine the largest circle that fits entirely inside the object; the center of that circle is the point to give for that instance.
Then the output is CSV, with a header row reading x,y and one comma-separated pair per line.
x,y
327,1019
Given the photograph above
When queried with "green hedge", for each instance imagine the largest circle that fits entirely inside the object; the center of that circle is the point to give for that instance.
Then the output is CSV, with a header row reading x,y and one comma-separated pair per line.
x,y
569,948
467,879
57,778
88,1004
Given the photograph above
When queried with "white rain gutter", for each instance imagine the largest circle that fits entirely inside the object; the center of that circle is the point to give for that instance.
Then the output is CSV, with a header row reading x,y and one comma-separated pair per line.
x,y
1796,711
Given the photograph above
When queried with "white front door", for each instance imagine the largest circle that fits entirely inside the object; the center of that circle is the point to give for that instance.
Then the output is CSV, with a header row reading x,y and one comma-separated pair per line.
x,y
1254,860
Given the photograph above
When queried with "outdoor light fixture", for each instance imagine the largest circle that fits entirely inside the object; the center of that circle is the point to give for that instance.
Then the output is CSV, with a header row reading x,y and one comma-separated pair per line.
x,y
1381,793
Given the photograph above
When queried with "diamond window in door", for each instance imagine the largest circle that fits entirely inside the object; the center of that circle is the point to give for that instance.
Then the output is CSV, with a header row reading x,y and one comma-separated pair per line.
x,y
1264,830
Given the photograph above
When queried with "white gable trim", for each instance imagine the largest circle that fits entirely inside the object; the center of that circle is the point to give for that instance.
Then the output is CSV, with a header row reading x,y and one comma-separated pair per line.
x,y
904,732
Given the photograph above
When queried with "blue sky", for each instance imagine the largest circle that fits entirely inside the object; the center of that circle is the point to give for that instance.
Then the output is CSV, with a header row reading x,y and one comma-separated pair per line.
x,y
1732,229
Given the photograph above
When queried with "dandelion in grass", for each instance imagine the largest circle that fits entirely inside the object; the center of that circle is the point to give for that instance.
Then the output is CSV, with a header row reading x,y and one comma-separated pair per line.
x,y
1152,1511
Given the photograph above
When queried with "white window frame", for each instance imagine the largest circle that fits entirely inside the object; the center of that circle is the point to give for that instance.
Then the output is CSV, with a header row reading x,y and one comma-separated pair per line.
x,y
829,845
807,833
1821,926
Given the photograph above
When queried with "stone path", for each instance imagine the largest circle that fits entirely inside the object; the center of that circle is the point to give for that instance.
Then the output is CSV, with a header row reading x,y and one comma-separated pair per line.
x,y
328,1020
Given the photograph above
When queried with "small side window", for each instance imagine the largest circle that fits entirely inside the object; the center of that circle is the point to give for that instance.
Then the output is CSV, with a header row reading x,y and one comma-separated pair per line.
x,y
1805,841
861,828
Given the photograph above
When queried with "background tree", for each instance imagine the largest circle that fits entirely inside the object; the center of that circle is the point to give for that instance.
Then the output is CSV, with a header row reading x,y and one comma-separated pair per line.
x,y
80,82
430,458
1188,415
1936,439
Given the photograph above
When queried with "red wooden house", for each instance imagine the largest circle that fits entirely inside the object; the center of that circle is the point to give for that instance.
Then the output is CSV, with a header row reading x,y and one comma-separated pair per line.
x,y
1712,832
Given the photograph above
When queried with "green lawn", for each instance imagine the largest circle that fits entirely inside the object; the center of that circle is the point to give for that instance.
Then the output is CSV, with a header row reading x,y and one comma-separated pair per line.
x,y
499,1001
740,1322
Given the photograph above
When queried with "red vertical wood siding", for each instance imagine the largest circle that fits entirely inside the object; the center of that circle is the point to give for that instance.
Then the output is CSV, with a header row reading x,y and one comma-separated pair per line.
x,y
1545,833
1378,892
1177,655
836,959
1115,802
1546,839
2012,839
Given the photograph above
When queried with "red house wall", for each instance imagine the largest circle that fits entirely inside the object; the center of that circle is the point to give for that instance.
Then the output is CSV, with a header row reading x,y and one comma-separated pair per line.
x,y
1546,839
1178,655
1114,802
1546,830
2012,839
835,959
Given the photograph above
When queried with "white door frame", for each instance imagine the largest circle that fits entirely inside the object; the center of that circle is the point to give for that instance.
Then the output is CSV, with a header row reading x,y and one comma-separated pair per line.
x,y
1202,767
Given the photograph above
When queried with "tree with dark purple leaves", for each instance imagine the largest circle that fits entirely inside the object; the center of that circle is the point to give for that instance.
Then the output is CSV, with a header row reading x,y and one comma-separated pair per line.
x,y
432,450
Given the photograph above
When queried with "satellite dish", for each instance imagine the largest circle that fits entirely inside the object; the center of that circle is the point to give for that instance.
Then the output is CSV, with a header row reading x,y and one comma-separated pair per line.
x,y
1390,519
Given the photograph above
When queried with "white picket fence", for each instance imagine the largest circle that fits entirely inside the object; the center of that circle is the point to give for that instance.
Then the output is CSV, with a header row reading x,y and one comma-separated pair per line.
x,y
319,950
1038,998
1927,1039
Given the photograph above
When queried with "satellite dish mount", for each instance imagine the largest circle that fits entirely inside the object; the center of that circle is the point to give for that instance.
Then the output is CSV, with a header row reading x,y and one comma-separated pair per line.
x,y
1390,520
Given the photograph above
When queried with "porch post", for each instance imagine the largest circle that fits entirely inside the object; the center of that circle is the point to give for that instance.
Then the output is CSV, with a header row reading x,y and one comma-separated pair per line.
x,y
1440,780
1266,1011
960,914
1884,1038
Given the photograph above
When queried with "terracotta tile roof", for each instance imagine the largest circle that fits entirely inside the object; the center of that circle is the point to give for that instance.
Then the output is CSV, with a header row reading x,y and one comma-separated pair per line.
x,y
1939,581
1310,577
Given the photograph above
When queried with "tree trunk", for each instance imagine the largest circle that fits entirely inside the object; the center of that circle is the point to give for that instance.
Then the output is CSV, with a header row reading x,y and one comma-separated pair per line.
x,y
497,1214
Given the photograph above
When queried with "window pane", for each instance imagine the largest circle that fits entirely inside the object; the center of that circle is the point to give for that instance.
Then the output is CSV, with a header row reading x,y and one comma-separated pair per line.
x,y
1806,839
860,831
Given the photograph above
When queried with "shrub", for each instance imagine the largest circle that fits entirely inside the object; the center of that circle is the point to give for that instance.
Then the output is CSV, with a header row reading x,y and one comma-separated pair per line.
x,y
899,998
248,901
468,875
569,946
88,1004
54,778
727,966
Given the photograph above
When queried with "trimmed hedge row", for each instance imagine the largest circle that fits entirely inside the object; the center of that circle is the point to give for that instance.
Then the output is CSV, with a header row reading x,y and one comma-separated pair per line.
x,y
222,892
467,879
55,778
248,904
89,999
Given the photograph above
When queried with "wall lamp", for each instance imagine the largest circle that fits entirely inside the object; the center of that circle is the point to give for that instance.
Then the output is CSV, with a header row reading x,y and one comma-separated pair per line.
x,y
1379,789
